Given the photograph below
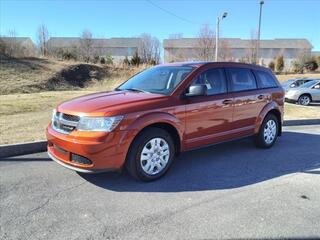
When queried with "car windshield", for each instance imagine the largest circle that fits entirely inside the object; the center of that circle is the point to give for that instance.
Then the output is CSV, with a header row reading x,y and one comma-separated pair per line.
x,y
160,79
308,84
288,82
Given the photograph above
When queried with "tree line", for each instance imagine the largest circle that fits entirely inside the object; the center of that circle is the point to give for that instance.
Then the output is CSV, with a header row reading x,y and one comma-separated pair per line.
x,y
148,50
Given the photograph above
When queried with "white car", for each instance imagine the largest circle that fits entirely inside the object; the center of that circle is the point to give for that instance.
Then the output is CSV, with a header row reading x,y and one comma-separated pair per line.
x,y
295,82
305,94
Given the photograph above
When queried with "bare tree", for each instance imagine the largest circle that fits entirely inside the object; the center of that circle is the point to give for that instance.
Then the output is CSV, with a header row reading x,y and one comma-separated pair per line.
x,y
86,45
11,45
206,42
252,54
301,56
43,37
225,52
149,49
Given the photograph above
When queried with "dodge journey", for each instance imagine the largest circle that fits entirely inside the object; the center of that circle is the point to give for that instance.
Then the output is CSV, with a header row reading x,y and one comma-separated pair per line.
x,y
148,120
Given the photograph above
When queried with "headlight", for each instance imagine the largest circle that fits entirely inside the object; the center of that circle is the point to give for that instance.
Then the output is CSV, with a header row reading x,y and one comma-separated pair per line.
x,y
98,124
290,93
54,112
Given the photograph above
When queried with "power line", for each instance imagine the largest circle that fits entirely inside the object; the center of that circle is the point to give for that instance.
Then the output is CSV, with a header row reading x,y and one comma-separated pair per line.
x,y
172,14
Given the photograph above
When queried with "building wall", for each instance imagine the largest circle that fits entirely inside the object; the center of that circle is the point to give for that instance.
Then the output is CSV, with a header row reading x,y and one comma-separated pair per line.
x,y
238,54
118,53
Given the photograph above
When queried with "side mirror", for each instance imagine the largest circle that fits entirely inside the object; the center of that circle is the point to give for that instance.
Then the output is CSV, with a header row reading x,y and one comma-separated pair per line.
x,y
293,85
197,90
317,86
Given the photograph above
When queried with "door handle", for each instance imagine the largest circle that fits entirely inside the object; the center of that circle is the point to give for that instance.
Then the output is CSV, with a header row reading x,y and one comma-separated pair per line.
x,y
227,101
261,97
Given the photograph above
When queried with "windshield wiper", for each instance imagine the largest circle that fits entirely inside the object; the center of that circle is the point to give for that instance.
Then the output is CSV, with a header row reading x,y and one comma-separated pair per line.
x,y
135,90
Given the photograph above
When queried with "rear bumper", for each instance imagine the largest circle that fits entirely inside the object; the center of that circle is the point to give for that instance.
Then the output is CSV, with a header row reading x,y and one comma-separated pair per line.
x,y
103,152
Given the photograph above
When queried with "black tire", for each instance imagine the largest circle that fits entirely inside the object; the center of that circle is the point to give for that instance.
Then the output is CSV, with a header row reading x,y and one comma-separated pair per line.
x,y
133,162
260,139
304,100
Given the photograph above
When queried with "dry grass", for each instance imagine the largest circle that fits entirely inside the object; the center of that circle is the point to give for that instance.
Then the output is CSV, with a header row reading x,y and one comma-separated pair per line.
x,y
23,75
36,75
294,111
23,117
284,77
117,75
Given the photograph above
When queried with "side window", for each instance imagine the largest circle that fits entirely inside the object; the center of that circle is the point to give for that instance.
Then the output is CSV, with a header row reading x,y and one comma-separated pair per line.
x,y
241,79
265,80
299,83
181,75
317,86
215,80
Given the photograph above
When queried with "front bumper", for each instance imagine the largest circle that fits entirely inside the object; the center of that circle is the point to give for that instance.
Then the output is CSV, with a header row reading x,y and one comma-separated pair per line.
x,y
290,100
77,169
103,151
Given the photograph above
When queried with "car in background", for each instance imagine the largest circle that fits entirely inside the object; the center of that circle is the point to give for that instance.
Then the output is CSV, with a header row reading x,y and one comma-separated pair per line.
x,y
295,82
305,94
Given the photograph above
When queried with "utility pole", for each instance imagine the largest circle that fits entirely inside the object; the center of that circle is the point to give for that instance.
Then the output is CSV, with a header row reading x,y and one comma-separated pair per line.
x,y
258,43
219,18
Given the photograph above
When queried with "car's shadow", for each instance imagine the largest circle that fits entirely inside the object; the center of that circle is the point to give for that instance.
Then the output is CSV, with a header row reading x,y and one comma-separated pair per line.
x,y
225,166
312,104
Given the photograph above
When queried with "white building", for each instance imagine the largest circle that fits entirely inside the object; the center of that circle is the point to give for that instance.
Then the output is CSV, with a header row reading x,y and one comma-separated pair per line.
x,y
118,48
236,49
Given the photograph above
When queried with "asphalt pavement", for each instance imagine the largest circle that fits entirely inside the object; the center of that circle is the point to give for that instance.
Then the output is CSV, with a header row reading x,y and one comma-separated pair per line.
x,y
227,191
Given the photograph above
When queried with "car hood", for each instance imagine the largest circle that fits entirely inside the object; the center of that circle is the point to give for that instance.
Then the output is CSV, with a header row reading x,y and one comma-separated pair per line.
x,y
111,103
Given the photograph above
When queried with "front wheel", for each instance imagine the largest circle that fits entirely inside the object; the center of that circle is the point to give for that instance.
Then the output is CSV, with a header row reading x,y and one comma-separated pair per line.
x,y
150,155
268,132
304,100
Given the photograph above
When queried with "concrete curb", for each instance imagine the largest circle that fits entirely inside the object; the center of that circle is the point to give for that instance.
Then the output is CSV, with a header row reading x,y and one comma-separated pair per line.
x,y
22,148
41,146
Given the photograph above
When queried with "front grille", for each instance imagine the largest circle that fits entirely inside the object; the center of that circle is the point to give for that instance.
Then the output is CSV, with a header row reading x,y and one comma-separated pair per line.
x,y
80,159
72,118
64,123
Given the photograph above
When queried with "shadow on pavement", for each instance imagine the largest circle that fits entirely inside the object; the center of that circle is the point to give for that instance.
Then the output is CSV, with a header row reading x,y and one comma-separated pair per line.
x,y
299,122
225,166
19,159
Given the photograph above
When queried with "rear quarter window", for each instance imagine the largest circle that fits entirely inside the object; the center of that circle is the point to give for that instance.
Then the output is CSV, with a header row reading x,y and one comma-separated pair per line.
x,y
241,79
265,80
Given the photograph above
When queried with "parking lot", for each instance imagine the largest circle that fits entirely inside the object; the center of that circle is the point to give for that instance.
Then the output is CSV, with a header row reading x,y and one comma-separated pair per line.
x,y
232,190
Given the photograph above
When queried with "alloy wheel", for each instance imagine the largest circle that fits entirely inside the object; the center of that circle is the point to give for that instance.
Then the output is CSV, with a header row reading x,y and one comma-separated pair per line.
x,y
304,100
270,131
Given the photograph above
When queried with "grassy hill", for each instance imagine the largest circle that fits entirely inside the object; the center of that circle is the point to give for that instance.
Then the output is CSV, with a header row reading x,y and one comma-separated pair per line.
x,y
32,75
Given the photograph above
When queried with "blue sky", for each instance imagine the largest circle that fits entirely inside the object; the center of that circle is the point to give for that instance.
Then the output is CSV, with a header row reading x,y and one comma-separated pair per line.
x,y
124,18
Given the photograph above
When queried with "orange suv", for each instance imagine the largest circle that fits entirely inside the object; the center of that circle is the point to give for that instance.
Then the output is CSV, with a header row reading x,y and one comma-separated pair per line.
x,y
148,120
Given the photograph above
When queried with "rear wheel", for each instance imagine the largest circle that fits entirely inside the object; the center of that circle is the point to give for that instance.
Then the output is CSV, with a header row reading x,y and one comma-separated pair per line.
x,y
268,132
150,155
304,100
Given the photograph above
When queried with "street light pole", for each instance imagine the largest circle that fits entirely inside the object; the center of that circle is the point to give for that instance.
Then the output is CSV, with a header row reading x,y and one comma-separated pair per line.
x,y
217,39
224,15
258,43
